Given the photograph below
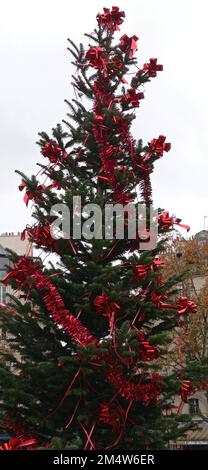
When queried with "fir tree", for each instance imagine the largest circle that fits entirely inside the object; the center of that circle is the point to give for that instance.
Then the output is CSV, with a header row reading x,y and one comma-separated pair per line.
x,y
86,336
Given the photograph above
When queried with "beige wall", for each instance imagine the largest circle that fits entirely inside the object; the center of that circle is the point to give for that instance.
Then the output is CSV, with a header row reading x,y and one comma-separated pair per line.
x,y
199,282
14,242
21,247
203,404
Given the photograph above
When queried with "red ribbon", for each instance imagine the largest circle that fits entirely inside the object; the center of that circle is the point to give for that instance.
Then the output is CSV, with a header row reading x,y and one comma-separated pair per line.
x,y
128,44
166,221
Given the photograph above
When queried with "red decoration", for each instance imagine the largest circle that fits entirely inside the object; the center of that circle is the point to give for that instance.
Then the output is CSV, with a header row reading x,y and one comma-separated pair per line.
x,y
107,309
128,44
133,98
41,235
148,352
147,393
115,65
104,306
108,126
122,197
111,19
32,193
142,270
112,151
53,152
158,146
152,68
19,443
26,272
24,268
165,221
122,127
159,299
185,306
105,96
95,56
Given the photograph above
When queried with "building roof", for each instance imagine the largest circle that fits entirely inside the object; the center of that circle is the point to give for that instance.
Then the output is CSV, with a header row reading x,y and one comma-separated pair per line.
x,y
202,236
200,434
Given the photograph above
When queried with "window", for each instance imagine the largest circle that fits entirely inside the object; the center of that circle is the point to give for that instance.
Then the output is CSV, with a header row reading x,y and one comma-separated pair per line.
x,y
194,406
2,294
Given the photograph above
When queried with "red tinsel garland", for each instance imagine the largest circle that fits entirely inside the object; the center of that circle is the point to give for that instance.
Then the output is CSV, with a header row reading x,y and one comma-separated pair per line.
x,y
23,439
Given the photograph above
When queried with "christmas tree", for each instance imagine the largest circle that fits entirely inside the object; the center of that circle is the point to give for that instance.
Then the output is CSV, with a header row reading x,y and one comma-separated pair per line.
x,y
87,334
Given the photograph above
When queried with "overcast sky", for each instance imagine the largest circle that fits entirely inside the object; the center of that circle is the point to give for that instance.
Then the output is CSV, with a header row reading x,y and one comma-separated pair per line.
x,y
35,80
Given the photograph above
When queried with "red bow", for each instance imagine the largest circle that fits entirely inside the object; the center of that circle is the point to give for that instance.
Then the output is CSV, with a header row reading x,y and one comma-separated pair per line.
x,y
128,44
142,270
132,97
41,235
152,68
184,306
110,19
53,152
112,415
158,299
149,352
166,221
32,194
158,146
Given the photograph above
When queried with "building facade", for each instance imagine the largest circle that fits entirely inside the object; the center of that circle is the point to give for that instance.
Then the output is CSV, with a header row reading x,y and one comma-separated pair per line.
x,y
12,242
